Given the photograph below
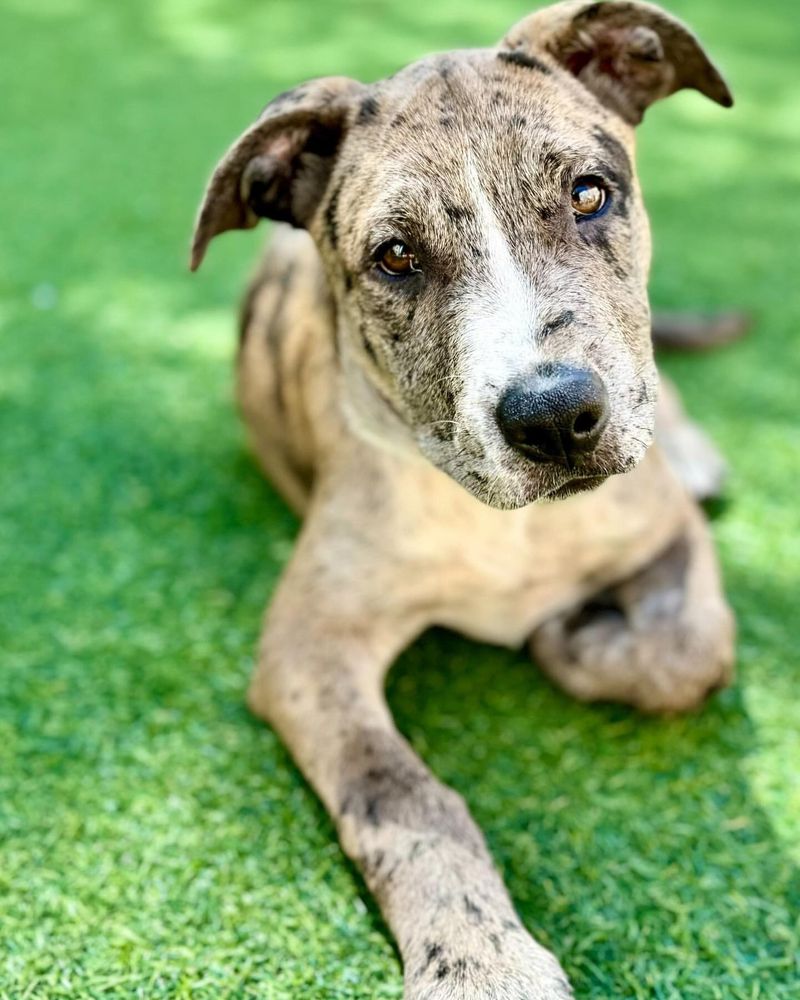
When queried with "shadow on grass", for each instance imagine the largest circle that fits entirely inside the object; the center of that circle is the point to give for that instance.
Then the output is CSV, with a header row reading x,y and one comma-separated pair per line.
x,y
633,847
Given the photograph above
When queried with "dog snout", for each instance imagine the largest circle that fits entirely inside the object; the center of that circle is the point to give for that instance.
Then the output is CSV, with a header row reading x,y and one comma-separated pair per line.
x,y
557,414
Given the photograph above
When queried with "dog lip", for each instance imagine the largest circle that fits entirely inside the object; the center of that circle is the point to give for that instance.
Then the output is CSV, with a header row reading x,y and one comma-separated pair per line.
x,y
578,484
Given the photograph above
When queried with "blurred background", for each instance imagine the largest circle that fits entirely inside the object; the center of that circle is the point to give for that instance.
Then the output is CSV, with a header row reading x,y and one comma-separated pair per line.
x,y
155,841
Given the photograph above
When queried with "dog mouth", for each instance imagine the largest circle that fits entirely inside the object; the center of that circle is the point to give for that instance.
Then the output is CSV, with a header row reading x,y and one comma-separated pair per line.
x,y
495,491
578,484
508,481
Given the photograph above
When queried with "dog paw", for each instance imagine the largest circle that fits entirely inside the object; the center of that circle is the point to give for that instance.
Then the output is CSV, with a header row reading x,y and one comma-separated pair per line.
x,y
595,655
529,973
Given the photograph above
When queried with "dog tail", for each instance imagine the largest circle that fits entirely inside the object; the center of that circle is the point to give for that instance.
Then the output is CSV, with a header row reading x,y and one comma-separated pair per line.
x,y
685,331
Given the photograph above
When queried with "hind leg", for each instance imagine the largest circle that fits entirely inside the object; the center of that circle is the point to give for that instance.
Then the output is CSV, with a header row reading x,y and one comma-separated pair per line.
x,y
661,640
693,456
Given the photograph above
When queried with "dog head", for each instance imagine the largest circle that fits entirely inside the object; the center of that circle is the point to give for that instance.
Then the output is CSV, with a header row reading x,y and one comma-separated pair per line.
x,y
483,234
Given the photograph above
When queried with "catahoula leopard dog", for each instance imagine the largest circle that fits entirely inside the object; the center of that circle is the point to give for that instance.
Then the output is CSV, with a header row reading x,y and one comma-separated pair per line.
x,y
447,368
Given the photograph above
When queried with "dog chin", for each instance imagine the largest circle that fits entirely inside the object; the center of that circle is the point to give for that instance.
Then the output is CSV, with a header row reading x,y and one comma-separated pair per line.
x,y
582,484
501,494
521,483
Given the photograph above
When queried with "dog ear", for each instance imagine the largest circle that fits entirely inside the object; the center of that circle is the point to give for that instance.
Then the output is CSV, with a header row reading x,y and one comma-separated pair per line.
x,y
628,54
279,167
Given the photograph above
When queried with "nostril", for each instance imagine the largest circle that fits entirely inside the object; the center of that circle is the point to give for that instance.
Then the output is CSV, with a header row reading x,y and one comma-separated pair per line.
x,y
585,423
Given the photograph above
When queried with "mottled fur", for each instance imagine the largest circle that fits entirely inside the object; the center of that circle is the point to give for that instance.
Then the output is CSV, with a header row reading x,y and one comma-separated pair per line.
x,y
371,404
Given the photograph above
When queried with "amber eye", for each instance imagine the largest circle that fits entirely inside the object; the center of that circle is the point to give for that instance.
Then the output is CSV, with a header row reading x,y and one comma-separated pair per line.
x,y
589,196
396,258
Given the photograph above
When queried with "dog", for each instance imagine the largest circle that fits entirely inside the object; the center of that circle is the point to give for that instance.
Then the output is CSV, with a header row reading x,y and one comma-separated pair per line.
x,y
446,367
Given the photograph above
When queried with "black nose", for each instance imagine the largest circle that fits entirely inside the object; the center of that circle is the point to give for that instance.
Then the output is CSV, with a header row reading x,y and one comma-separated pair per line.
x,y
555,415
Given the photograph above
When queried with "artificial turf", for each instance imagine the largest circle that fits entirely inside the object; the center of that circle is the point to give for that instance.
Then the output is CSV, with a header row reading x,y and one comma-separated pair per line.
x,y
156,841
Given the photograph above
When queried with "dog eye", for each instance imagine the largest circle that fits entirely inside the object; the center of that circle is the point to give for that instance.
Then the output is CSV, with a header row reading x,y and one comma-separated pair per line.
x,y
395,258
589,196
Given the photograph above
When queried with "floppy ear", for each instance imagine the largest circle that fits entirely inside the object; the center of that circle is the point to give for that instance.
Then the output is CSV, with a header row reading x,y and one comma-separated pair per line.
x,y
628,54
279,168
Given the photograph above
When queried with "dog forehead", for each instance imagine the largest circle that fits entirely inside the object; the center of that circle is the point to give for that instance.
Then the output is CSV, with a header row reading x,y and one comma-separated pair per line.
x,y
426,138
440,94
488,107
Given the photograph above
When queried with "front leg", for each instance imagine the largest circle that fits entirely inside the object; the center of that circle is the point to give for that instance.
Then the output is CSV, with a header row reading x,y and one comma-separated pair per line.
x,y
327,643
661,640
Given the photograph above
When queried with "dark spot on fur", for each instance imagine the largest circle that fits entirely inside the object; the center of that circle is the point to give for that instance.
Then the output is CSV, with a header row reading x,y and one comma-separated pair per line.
x,y
397,121
519,121
394,787
620,272
449,397
479,481
331,222
368,110
286,277
443,432
551,161
473,911
619,170
613,147
284,99
495,940
457,213
443,971
246,311
416,850
519,58
446,121
597,236
432,952
590,13
622,194
372,865
557,324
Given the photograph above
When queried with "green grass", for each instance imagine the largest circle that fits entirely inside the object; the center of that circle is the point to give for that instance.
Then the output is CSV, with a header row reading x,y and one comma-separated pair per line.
x,y
155,841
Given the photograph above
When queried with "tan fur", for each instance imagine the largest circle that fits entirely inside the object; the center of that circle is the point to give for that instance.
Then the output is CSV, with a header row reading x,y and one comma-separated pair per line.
x,y
616,588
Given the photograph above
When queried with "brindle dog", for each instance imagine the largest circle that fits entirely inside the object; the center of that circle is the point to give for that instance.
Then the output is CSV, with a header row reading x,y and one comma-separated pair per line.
x,y
464,335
